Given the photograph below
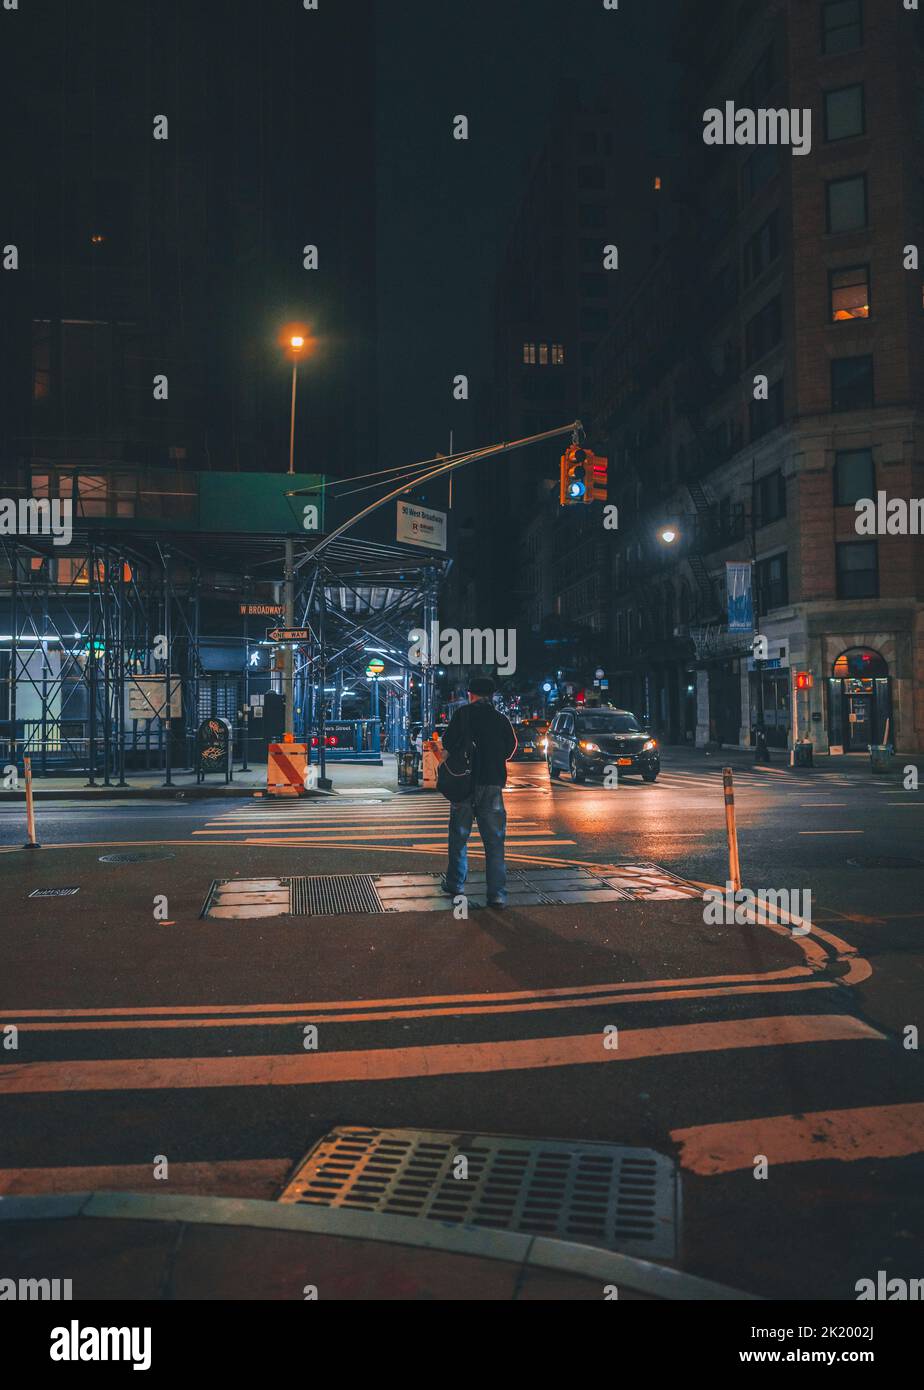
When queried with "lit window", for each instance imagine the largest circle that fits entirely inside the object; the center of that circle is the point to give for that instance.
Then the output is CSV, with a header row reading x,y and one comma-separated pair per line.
x,y
529,354
558,354
543,354
849,294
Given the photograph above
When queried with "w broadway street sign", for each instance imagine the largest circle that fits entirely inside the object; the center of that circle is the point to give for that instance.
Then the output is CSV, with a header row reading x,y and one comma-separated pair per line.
x,y
288,634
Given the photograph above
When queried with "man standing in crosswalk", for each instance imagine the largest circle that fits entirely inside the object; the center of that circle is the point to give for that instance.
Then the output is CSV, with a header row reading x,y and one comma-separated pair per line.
x,y
495,743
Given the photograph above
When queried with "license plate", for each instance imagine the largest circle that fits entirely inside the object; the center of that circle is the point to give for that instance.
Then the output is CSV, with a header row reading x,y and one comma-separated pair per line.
x,y
623,762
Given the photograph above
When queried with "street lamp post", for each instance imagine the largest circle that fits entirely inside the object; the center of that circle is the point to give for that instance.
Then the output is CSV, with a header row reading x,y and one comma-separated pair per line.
x,y
296,343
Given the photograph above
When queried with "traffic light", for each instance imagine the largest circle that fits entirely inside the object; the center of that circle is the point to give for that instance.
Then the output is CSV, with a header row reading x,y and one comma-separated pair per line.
x,y
572,486
582,477
804,680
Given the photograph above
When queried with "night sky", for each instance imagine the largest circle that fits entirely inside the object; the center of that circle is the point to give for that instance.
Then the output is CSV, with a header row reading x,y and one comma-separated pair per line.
x,y
445,207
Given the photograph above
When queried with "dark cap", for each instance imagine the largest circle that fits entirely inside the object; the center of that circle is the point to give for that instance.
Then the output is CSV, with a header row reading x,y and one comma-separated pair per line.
x,y
481,685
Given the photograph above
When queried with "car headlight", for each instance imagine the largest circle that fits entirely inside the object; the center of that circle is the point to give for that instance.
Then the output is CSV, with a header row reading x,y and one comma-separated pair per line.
x,y
652,743
545,743
589,747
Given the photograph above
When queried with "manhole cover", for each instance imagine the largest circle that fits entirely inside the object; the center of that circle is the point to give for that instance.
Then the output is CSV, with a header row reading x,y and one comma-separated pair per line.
x,y
884,861
53,892
596,1194
138,858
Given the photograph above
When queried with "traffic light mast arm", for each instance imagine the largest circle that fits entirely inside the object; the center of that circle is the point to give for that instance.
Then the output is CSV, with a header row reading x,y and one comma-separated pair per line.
x,y
446,466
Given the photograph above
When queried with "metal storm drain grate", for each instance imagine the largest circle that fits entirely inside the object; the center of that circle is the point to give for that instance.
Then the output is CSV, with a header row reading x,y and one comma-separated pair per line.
x,y
591,1193
53,892
333,894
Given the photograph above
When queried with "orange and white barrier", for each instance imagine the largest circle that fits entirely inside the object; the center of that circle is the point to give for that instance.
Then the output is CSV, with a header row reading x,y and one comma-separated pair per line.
x,y
286,766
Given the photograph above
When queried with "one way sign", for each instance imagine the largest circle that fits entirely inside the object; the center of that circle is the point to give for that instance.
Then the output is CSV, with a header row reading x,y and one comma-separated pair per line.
x,y
288,634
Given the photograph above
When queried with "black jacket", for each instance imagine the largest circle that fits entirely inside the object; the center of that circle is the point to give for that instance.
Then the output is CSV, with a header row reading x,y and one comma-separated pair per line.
x,y
492,734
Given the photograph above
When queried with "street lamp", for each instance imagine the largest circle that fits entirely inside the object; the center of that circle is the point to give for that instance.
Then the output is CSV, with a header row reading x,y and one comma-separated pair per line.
x,y
296,344
668,534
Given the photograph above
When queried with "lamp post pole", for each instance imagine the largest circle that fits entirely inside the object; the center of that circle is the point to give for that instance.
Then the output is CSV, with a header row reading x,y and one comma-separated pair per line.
x,y
288,670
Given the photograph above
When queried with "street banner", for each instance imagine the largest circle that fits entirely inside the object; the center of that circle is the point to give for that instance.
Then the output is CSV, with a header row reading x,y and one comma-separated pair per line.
x,y
740,606
421,526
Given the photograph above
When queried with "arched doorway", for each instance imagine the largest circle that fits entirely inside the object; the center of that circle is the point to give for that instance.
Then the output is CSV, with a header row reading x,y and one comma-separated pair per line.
x,y
859,700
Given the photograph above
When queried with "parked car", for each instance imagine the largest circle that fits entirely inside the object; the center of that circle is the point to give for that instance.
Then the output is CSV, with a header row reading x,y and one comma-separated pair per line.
x,y
584,742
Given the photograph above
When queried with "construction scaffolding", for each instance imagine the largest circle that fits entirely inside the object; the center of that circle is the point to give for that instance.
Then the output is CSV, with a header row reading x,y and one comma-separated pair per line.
x,y
108,664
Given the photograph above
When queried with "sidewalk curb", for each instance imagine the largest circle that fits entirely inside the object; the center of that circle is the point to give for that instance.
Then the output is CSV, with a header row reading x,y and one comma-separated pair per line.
x,y
514,1247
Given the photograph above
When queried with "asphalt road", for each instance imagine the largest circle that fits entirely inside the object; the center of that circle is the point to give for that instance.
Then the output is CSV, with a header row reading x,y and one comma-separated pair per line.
x,y
145,1030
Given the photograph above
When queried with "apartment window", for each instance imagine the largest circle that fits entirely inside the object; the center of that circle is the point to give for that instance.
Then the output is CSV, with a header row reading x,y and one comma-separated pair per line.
x,y
852,383
760,168
558,355
841,25
592,215
594,320
529,354
769,499
854,476
763,331
847,204
771,580
857,569
594,284
766,415
848,293
844,113
543,354
591,176
762,249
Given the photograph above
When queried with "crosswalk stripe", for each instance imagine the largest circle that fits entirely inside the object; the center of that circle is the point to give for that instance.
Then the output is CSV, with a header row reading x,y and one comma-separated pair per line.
x,y
847,1136
323,1068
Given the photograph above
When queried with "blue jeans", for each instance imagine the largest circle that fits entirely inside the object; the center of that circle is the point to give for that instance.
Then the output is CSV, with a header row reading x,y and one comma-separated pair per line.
x,y
487,808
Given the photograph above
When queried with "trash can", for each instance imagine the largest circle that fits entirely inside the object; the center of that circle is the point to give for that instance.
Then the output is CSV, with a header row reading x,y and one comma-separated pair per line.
x,y
880,757
804,754
407,769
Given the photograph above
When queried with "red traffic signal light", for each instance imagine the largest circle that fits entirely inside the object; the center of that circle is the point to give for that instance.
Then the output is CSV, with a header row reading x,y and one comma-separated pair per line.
x,y
804,680
598,471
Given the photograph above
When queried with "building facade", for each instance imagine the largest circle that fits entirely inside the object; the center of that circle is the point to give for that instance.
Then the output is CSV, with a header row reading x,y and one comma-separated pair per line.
x,y
764,378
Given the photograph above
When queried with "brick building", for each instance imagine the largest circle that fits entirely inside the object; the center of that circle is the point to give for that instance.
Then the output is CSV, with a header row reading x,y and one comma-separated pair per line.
x,y
767,374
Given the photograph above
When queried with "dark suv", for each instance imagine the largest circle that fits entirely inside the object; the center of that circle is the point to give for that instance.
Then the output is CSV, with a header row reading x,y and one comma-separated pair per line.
x,y
584,741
